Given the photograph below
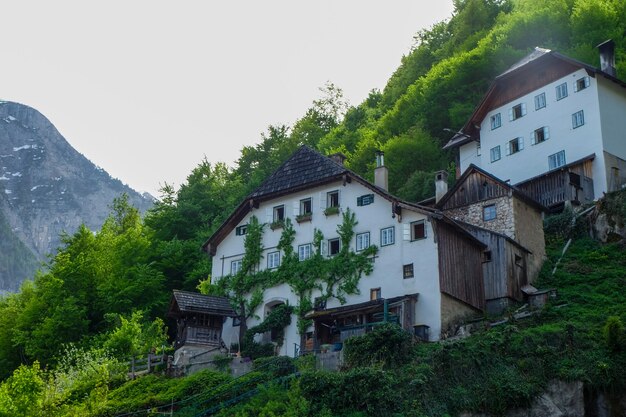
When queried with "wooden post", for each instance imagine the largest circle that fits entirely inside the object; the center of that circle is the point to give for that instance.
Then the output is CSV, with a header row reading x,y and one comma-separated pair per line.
x,y
149,362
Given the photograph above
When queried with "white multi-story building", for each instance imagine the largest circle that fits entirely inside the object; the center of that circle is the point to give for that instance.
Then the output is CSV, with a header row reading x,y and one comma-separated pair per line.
x,y
553,126
427,268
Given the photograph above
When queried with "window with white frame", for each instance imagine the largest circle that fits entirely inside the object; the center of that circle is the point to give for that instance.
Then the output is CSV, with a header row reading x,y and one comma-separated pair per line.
x,y
514,146
387,236
517,111
273,260
578,119
305,206
279,214
332,199
556,160
540,101
362,241
495,153
539,135
235,266
241,230
304,252
334,246
561,91
489,212
496,121
581,84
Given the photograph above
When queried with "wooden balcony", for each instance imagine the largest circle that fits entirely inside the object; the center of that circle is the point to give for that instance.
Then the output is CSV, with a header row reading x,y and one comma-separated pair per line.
x,y
559,186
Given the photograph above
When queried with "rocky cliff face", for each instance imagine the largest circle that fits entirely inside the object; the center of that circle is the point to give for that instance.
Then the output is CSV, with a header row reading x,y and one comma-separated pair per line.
x,y
46,188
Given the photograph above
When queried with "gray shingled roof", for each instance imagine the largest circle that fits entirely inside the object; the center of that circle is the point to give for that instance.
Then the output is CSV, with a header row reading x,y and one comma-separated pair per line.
x,y
304,167
198,303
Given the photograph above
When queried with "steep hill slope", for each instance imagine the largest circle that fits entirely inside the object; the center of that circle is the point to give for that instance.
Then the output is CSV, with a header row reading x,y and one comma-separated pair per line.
x,y
46,188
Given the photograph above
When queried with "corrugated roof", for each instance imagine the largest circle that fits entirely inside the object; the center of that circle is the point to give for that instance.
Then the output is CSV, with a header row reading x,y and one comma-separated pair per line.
x,y
187,302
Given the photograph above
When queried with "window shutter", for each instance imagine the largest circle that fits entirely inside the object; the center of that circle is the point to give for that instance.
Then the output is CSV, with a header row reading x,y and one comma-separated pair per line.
x,y
520,143
508,148
323,248
268,215
575,86
533,139
511,115
359,201
296,208
546,133
586,82
523,109
406,232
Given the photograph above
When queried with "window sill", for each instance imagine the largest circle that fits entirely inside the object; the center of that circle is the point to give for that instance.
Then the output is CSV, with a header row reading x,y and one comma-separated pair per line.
x,y
331,211
277,225
302,218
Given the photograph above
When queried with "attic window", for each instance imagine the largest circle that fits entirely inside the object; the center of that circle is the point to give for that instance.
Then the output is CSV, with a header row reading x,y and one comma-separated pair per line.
x,y
561,91
581,84
241,230
540,101
496,121
418,230
365,200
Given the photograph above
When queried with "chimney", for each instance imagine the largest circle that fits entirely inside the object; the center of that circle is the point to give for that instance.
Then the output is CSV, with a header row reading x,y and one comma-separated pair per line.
x,y
441,184
338,157
607,57
381,173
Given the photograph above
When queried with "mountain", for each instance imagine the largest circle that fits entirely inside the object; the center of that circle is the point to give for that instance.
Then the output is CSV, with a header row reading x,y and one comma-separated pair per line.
x,y
46,188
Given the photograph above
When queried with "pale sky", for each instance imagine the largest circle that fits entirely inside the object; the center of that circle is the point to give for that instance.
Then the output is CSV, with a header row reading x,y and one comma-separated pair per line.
x,y
146,88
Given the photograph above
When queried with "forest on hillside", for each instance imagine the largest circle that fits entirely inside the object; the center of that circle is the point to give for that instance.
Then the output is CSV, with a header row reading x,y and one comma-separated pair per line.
x,y
105,294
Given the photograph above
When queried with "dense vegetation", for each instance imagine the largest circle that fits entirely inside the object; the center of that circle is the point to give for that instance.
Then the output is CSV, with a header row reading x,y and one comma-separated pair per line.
x,y
105,293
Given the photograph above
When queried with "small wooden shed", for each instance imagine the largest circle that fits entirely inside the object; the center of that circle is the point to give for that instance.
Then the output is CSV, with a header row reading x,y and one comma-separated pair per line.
x,y
199,318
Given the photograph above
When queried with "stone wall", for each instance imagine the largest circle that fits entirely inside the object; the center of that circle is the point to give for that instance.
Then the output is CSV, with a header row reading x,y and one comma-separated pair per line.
x,y
453,312
503,223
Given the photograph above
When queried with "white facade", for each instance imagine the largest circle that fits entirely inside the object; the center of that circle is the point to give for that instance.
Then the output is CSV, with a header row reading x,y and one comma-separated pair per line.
x,y
590,119
388,263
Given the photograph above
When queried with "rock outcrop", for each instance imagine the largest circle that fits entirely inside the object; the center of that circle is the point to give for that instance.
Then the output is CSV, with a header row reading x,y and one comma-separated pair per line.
x,y
46,188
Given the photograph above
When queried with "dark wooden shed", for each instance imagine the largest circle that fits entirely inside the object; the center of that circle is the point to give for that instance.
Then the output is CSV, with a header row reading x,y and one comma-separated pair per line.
x,y
199,318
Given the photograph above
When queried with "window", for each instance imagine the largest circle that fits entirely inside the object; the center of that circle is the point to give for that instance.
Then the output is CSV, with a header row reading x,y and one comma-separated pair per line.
x,y
581,84
487,256
387,236
418,230
332,199
273,260
279,213
407,271
539,135
514,146
578,119
517,111
304,252
556,160
241,230
362,241
540,101
518,260
235,266
496,121
305,206
495,153
561,91
333,246
364,200
375,294
489,212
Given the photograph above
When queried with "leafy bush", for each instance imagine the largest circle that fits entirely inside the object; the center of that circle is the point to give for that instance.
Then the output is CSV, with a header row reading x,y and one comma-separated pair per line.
x,y
614,336
388,345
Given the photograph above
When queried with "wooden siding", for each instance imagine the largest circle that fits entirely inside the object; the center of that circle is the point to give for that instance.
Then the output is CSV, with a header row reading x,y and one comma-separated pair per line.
x,y
460,269
201,335
570,184
502,277
476,187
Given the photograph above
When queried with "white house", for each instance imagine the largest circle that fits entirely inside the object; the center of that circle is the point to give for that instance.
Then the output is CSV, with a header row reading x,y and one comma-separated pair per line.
x,y
427,267
553,126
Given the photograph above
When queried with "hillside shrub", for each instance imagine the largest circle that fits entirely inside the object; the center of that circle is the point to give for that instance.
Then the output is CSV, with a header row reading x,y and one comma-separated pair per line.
x,y
613,331
388,346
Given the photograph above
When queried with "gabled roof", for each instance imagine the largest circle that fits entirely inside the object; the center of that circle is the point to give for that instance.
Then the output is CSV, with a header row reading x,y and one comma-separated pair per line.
x,y
306,168
533,63
474,169
191,302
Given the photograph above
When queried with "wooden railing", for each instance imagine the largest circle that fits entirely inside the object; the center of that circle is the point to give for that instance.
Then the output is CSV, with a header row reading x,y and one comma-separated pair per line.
x,y
557,187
